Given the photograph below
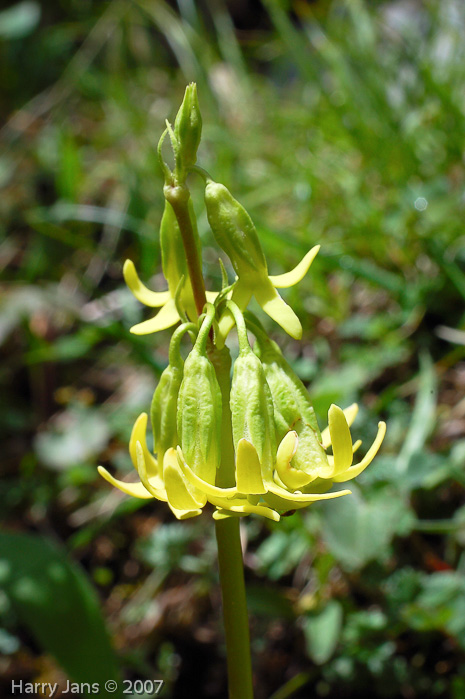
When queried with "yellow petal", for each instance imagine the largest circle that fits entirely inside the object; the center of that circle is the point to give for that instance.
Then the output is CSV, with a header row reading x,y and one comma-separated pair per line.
x,y
297,498
354,471
225,514
137,490
200,483
241,507
154,299
181,495
248,471
165,318
350,415
340,439
138,435
184,514
283,281
290,477
355,446
157,492
277,308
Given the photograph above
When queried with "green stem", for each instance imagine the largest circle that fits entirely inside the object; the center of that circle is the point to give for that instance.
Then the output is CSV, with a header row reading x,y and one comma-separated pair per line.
x,y
236,621
178,196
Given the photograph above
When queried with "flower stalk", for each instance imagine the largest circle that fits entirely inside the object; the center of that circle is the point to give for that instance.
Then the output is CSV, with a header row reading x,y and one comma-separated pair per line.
x,y
246,445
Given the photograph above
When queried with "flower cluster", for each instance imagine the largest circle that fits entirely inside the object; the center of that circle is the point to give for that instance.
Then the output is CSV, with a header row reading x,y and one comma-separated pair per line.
x,y
246,444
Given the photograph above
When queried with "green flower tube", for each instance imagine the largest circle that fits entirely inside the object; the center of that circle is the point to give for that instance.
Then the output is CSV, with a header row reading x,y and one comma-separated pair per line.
x,y
251,410
163,410
236,234
200,408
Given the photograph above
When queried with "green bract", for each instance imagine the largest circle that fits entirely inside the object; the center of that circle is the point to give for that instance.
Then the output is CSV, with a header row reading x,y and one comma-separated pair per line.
x,y
246,445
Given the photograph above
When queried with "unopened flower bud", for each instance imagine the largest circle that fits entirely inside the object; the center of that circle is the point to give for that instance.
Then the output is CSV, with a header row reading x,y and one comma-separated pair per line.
x,y
188,128
234,231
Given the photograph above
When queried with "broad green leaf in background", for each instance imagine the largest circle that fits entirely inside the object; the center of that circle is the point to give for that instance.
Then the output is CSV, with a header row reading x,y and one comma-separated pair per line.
x,y
322,631
357,530
54,600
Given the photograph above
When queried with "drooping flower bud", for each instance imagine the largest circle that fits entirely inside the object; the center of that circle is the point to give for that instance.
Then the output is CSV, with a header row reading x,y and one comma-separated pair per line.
x,y
251,410
163,411
237,236
234,231
200,408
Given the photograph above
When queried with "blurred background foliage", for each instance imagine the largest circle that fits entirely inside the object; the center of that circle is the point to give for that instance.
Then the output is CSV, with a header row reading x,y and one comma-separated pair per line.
x,y
334,122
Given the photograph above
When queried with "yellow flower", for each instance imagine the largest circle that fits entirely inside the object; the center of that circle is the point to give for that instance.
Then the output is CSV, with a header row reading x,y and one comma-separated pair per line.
x,y
254,493
263,288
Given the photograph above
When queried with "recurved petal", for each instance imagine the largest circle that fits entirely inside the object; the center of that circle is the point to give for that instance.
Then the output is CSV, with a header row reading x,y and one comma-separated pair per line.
x,y
355,470
290,477
157,492
138,435
137,490
340,439
181,495
350,415
283,281
154,299
240,507
277,308
199,483
165,318
248,470
303,497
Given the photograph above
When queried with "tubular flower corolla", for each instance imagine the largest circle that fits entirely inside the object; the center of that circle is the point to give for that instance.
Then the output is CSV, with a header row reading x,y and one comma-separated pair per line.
x,y
236,234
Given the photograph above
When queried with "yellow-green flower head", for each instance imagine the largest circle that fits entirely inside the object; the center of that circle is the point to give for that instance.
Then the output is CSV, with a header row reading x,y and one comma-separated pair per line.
x,y
269,479
236,234
186,493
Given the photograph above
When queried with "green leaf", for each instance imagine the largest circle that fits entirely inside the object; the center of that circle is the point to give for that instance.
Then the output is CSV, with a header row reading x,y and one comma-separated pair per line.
x,y
55,601
322,632
357,530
